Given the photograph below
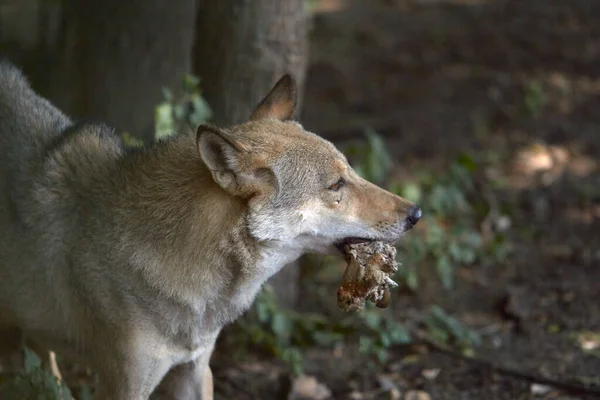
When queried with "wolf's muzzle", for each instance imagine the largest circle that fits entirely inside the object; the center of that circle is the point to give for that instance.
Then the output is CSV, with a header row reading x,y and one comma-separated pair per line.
x,y
414,215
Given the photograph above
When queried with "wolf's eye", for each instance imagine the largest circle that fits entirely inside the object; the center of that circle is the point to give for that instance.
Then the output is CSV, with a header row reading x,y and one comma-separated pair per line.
x,y
338,185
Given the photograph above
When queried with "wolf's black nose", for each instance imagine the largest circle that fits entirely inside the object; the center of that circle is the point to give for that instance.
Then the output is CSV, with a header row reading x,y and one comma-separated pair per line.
x,y
414,215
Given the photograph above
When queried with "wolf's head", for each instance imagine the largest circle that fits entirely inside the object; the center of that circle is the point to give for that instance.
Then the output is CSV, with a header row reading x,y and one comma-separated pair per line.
x,y
300,189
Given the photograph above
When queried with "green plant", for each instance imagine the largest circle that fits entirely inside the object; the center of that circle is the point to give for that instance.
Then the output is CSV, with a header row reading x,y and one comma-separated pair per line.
x,y
445,329
273,328
452,207
131,141
282,332
372,161
535,98
176,113
36,382
382,332
285,333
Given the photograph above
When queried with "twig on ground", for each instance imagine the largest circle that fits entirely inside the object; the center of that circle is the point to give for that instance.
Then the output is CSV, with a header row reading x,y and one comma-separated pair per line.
x,y
572,388
54,366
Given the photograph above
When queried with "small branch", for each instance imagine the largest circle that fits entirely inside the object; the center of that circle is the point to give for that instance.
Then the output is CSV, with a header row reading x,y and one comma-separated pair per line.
x,y
561,385
54,366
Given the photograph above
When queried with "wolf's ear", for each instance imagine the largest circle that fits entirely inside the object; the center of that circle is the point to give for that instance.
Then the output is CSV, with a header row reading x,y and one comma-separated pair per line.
x,y
231,164
280,103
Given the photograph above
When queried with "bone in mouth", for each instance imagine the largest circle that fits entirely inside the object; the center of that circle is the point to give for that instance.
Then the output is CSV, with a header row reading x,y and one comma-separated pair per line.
x,y
367,275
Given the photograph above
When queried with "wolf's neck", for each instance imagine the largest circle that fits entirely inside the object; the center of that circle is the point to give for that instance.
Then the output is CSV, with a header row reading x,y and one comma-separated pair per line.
x,y
190,237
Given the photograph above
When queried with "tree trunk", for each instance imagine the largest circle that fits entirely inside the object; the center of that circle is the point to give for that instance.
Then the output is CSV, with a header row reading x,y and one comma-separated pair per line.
x,y
118,55
243,47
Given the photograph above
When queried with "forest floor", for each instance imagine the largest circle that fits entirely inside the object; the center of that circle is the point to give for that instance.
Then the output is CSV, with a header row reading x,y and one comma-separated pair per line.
x,y
514,82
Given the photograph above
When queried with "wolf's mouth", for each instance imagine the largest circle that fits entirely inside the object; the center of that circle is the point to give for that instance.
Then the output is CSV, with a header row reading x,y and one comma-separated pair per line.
x,y
351,240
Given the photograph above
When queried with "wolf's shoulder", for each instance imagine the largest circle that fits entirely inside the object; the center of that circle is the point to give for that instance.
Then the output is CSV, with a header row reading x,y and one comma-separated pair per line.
x,y
85,139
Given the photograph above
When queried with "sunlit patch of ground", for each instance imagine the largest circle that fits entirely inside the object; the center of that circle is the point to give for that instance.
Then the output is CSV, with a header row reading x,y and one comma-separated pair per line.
x,y
545,164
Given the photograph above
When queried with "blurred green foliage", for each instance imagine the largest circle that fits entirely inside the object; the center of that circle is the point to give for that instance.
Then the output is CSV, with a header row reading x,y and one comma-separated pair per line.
x,y
286,334
35,382
177,113
535,98
453,207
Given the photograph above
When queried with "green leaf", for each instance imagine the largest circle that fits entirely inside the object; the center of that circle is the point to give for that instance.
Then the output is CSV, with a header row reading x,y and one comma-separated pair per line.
x,y
467,162
282,326
535,98
438,200
436,236
372,319
191,83
32,360
412,192
365,344
360,171
379,161
385,339
86,393
412,279
167,94
439,335
444,270
262,310
399,335
461,177
326,339
455,251
382,354
294,357
474,337
165,124
473,239
179,111
131,141
202,112
456,201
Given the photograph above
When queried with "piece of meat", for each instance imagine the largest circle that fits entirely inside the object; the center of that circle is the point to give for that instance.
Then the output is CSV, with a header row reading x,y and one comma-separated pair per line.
x,y
367,275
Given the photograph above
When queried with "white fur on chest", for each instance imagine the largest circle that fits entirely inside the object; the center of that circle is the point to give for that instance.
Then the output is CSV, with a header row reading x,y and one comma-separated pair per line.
x,y
272,260
172,352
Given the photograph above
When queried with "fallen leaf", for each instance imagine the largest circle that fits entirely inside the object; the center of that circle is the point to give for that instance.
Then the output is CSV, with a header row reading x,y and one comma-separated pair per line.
x,y
308,387
431,373
395,394
386,383
356,396
540,390
417,395
589,341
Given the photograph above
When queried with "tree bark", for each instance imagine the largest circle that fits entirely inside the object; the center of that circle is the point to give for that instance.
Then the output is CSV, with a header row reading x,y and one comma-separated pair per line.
x,y
118,55
243,47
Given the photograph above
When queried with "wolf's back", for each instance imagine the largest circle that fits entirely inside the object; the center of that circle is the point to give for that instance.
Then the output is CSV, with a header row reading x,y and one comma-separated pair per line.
x,y
28,123
24,115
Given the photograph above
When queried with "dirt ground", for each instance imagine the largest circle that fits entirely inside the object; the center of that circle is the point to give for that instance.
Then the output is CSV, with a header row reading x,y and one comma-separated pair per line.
x,y
437,78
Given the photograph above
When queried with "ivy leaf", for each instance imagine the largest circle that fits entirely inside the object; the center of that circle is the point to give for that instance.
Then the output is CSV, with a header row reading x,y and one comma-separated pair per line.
x,y
444,270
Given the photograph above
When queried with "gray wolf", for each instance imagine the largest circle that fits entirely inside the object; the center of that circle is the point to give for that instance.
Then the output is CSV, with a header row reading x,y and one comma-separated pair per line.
x,y
132,261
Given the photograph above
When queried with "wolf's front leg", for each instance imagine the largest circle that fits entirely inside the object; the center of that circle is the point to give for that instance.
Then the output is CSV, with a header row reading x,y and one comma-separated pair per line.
x,y
190,381
130,378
